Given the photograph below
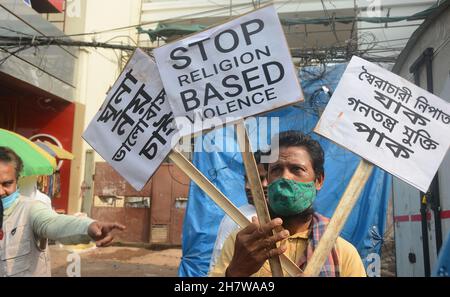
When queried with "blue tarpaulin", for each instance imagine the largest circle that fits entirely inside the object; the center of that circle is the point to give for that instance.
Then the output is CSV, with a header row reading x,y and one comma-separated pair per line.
x,y
366,224
442,268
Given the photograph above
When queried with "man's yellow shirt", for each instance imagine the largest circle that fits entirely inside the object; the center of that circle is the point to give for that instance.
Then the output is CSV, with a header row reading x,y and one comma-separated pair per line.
x,y
350,264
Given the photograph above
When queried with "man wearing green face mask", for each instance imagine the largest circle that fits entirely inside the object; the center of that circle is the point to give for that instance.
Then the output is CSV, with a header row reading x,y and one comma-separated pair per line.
x,y
294,180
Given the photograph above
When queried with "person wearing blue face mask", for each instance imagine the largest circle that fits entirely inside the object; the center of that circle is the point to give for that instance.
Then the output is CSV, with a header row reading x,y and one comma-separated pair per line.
x,y
294,180
24,221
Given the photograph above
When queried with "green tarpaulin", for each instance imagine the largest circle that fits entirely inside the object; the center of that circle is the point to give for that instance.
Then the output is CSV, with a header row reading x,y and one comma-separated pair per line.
x,y
168,30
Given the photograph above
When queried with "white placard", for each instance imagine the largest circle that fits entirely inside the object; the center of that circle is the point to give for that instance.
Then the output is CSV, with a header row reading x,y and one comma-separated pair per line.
x,y
388,121
231,71
134,129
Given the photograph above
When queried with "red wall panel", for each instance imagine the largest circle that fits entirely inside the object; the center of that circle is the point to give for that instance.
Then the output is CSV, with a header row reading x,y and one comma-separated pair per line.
x,y
28,111
53,118
58,4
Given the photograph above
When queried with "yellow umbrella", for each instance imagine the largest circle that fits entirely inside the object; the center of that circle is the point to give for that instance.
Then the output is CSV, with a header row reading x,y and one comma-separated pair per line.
x,y
55,150
36,161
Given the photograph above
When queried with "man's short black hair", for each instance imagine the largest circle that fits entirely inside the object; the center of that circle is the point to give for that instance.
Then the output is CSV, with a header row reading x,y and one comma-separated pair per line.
x,y
296,138
7,155
258,154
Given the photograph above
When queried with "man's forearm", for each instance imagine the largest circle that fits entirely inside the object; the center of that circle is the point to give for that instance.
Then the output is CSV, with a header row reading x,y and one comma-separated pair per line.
x,y
65,229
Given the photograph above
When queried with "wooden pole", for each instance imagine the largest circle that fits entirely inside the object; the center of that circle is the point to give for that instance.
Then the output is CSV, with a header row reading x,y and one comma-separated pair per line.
x,y
209,188
222,201
88,183
337,222
256,188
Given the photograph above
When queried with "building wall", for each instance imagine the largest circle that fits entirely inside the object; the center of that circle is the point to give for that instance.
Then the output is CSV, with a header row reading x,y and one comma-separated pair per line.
x,y
35,114
97,69
214,12
159,219
310,36
408,233
48,68
391,35
76,172
37,84
164,9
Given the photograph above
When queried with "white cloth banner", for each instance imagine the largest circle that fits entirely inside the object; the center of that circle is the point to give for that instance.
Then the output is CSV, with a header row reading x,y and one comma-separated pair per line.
x,y
229,72
388,121
134,130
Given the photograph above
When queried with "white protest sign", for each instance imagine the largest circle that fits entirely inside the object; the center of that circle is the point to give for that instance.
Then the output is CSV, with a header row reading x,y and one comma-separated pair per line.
x,y
231,71
388,121
134,130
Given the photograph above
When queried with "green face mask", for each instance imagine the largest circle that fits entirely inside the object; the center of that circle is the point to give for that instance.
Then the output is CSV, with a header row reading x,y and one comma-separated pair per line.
x,y
288,197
